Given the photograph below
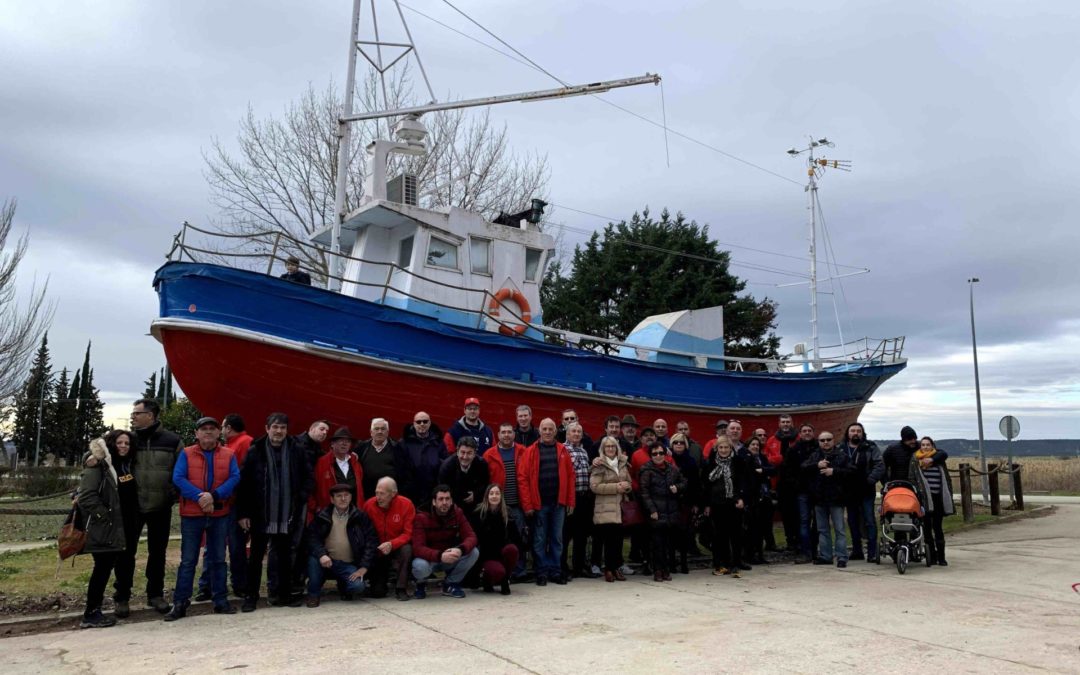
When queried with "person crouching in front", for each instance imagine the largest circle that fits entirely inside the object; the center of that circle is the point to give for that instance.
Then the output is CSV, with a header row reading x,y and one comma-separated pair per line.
x,y
342,542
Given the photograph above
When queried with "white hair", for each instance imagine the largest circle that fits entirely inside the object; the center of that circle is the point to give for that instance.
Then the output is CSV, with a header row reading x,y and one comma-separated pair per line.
x,y
377,420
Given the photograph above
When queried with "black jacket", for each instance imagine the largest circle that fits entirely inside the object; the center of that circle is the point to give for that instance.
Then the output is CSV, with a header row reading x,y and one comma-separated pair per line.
x,y
400,469
251,492
897,459
828,490
298,277
361,533
655,484
792,476
156,449
713,493
422,458
312,450
461,483
691,472
525,438
759,482
492,535
867,469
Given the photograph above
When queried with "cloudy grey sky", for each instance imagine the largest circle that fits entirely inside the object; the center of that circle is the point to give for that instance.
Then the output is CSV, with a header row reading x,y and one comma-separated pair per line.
x,y
959,118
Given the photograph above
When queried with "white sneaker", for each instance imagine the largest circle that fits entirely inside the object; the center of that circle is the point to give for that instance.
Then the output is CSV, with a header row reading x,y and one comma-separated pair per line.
x,y
597,571
625,569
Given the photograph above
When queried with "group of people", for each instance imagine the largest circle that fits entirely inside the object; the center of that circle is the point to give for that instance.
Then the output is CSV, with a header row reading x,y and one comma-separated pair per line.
x,y
472,503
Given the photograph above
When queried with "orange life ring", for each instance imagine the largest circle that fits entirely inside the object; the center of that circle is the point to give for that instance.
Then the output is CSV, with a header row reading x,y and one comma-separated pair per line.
x,y
523,304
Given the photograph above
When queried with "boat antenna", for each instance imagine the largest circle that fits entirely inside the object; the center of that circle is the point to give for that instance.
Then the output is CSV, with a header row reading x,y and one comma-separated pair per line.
x,y
815,169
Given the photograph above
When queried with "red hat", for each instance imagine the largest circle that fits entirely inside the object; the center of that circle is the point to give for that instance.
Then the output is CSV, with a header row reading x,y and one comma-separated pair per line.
x,y
472,400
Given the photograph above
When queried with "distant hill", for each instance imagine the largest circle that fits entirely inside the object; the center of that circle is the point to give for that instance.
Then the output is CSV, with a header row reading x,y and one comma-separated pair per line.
x,y
1032,448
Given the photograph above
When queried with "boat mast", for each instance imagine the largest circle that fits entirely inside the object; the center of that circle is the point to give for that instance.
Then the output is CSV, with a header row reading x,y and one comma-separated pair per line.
x,y
814,167
347,117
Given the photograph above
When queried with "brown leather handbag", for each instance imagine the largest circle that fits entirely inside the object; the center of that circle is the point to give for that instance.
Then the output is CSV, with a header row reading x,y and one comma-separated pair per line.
x,y
631,512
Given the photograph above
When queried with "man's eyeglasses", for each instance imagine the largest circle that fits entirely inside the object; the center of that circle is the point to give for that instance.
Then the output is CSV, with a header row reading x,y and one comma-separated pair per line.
x,y
422,422
659,453
826,440
678,443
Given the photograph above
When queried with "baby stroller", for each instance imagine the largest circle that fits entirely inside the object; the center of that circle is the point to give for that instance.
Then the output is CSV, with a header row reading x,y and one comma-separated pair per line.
x,y
901,525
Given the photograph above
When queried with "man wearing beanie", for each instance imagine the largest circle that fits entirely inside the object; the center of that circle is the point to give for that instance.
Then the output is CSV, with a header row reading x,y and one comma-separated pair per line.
x,y
897,456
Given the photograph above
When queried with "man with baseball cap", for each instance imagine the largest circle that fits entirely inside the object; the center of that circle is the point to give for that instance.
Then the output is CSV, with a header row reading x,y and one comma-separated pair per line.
x,y
205,475
470,424
342,542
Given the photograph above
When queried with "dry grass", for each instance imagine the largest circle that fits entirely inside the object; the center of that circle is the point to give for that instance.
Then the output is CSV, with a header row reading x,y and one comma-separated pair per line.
x,y
1040,474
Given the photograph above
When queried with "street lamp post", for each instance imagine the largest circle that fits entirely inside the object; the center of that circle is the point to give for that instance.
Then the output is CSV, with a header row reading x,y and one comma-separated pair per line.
x,y
978,394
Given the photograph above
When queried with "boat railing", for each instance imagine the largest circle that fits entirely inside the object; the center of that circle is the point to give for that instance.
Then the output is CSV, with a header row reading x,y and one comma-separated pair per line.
x,y
276,246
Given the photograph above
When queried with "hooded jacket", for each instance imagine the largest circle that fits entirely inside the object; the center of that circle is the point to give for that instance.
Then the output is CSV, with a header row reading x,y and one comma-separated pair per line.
x,y
99,502
481,433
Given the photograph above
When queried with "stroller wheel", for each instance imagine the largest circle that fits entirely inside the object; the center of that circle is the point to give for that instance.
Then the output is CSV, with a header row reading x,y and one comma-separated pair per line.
x,y
902,559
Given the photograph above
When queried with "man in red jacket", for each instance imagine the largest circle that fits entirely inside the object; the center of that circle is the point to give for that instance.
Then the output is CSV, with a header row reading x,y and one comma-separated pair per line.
x,y
393,517
443,541
340,465
546,486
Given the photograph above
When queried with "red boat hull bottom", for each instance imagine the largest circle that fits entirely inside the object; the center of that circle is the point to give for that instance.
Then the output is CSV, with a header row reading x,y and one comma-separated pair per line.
x,y
223,374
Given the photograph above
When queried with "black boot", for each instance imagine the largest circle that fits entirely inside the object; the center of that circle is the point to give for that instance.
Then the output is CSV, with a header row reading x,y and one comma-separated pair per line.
x,y
178,611
941,555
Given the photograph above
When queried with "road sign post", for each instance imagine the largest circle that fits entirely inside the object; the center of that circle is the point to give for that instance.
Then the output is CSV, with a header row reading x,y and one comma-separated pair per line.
x,y
1009,427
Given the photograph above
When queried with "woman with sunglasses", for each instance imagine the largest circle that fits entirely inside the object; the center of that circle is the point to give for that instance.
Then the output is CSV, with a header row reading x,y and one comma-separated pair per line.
x,y
662,488
688,507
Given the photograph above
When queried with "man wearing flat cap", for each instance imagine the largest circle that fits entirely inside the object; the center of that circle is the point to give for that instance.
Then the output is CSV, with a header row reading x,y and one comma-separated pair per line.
x,y
342,542
339,466
205,475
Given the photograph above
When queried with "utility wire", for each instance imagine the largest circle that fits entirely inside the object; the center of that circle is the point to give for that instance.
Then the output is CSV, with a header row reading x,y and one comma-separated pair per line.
x,y
647,120
724,244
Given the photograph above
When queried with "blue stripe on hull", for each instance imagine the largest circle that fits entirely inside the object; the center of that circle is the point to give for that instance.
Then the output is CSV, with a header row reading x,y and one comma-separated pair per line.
x,y
264,304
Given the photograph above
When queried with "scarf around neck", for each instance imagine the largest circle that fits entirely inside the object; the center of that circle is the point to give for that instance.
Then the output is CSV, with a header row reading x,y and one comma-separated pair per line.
x,y
722,471
921,454
278,489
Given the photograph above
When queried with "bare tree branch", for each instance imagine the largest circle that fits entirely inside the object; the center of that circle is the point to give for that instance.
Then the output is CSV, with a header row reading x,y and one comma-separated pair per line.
x,y
282,174
20,326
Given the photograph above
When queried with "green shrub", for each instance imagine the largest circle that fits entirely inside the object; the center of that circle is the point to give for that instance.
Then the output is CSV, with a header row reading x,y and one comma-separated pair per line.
x,y
39,481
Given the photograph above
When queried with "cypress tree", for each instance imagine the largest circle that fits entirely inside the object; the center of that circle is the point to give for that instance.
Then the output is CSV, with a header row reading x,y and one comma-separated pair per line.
x,y
29,399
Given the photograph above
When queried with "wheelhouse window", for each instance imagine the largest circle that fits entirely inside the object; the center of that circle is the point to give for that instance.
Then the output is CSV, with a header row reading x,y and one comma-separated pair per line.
x,y
442,253
480,255
532,264
404,258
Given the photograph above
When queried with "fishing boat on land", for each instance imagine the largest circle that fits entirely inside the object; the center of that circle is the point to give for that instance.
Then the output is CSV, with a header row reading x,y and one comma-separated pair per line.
x,y
422,308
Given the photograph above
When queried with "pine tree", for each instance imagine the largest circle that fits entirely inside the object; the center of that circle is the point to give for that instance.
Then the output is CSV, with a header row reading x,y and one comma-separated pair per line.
x,y
91,410
626,273
160,395
28,401
58,430
151,387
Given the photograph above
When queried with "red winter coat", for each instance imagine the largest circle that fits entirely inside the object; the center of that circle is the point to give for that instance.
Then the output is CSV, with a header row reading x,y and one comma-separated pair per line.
x,y
326,478
528,471
772,453
433,534
239,444
496,468
394,524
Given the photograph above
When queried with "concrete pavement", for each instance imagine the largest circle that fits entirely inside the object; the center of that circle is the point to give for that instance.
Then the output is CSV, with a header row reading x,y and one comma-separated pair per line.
x,y
1005,604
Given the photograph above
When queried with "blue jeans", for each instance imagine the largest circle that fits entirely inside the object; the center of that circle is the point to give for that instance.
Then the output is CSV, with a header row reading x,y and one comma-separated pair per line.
x,y
339,571
192,529
518,517
422,569
547,539
236,542
860,518
805,509
831,515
